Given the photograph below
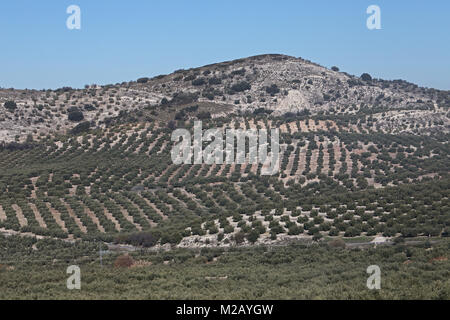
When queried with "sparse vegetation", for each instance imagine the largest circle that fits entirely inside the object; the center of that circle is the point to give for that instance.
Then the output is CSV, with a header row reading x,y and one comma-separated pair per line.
x,y
356,162
10,105
75,115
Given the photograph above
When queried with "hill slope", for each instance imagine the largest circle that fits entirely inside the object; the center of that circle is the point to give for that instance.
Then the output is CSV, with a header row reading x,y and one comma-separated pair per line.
x,y
358,158
274,82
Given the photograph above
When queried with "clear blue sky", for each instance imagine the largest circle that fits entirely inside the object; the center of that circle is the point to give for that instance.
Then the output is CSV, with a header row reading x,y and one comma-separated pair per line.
x,y
124,40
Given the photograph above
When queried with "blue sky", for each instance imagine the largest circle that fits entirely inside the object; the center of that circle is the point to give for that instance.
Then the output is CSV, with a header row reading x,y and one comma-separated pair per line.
x,y
124,40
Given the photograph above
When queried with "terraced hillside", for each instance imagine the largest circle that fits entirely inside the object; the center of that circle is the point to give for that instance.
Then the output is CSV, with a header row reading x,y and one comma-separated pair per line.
x,y
335,179
359,157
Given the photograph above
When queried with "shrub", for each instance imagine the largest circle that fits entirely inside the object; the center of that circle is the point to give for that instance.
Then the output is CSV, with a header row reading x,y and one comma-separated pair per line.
x,y
239,237
10,105
144,239
172,125
262,111
228,229
239,72
204,115
317,237
366,77
214,81
272,90
180,115
253,236
190,77
337,243
295,230
334,68
184,97
199,82
209,95
76,115
123,261
399,240
81,127
142,80
89,107
241,86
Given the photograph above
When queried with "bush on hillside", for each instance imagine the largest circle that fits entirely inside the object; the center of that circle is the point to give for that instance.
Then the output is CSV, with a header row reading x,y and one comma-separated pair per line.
x,y
81,127
123,261
366,77
75,115
240,86
272,90
10,105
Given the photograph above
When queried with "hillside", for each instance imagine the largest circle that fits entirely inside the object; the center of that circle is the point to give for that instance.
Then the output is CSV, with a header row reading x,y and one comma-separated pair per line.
x,y
278,83
360,157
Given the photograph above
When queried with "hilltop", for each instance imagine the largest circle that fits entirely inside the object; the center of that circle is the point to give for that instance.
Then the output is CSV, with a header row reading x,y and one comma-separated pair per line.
x,y
275,84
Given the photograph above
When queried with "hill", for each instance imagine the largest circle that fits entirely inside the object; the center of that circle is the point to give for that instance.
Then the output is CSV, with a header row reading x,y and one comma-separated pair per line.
x,y
360,157
277,83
